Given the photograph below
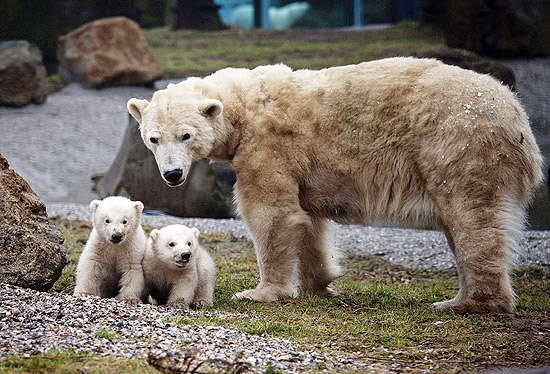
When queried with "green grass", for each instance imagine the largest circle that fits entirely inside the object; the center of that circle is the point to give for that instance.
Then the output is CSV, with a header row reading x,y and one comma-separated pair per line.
x,y
69,361
383,314
193,53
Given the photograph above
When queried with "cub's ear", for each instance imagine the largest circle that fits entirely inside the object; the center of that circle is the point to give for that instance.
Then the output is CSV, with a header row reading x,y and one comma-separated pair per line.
x,y
154,234
211,108
196,232
94,204
136,108
139,206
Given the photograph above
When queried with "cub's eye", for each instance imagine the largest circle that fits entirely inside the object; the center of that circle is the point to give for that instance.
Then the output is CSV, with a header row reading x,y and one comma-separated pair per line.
x,y
154,140
107,221
124,222
185,137
171,244
189,244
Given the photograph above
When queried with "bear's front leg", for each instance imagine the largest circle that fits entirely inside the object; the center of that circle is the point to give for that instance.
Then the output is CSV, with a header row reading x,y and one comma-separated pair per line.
x,y
278,225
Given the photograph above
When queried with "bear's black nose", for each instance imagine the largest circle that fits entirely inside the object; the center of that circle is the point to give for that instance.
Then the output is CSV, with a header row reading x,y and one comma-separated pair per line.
x,y
173,176
185,256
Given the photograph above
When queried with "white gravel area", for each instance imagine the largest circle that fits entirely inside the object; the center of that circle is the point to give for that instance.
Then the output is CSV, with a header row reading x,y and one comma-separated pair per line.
x,y
33,322
423,249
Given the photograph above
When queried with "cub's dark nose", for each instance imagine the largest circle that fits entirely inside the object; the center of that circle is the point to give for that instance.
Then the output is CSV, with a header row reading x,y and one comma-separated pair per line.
x,y
185,256
173,176
116,238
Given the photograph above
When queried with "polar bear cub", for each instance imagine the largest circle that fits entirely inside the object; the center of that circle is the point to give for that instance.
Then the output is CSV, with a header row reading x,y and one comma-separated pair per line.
x,y
110,264
178,271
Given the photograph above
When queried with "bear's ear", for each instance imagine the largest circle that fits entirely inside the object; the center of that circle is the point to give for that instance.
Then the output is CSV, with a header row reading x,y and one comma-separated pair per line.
x,y
196,232
139,206
154,234
211,108
94,204
136,108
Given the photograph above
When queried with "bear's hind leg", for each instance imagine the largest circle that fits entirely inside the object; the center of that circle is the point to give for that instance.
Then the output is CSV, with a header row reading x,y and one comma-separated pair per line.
x,y
319,262
483,240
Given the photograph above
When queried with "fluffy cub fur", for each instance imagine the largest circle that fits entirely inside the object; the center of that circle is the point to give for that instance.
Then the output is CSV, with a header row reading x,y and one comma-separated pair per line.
x,y
110,264
178,271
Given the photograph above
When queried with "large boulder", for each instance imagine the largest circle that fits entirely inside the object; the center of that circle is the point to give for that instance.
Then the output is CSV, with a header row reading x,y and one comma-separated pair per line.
x,y
500,28
32,254
23,77
105,53
134,173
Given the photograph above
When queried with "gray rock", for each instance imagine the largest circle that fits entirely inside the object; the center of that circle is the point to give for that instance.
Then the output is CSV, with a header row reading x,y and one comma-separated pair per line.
x,y
469,60
31,248
23,76
134,174
503,28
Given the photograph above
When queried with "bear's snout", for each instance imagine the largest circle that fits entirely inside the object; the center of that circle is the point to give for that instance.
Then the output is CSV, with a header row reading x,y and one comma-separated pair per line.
x,y
117,238
183,258
174,177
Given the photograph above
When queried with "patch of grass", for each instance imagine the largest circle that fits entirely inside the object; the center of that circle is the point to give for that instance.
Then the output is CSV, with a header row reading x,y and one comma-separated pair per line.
x,y
383,313
193,53
55,83
105,333
69,361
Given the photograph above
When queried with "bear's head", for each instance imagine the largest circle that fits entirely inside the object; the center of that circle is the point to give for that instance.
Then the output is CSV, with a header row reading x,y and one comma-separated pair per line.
x,y
116,217
175,245
178,126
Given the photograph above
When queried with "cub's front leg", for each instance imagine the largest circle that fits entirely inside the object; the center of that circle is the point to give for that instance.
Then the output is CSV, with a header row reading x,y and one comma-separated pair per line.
x,y
88,278
182,294
132,285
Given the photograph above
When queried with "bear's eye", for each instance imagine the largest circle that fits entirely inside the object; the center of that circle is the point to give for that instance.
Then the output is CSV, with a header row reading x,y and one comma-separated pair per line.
x,y
185,137
189,244
171,244
124,222
154,140
107,221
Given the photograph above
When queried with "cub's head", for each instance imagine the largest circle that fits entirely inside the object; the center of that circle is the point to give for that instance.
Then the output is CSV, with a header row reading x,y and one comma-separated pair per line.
x,y
175,245
116,217
178,127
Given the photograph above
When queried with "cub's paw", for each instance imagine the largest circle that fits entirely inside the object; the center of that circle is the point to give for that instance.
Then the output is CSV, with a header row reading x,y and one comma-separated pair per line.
x,y
130,300
83,294
178,304
203,304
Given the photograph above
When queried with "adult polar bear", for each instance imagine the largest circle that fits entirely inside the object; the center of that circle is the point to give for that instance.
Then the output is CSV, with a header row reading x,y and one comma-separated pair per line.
x,y
410,140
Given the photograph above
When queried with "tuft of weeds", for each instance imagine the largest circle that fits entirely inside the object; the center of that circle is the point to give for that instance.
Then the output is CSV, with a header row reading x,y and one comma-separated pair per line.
x,y
105,333
169,363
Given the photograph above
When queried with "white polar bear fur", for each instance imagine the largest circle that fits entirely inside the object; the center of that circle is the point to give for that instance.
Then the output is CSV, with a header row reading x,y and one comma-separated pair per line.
x,y
413,141
171,281
110,264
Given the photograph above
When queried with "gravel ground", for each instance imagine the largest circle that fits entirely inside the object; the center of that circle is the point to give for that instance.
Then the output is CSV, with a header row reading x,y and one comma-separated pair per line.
x,y
33,322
